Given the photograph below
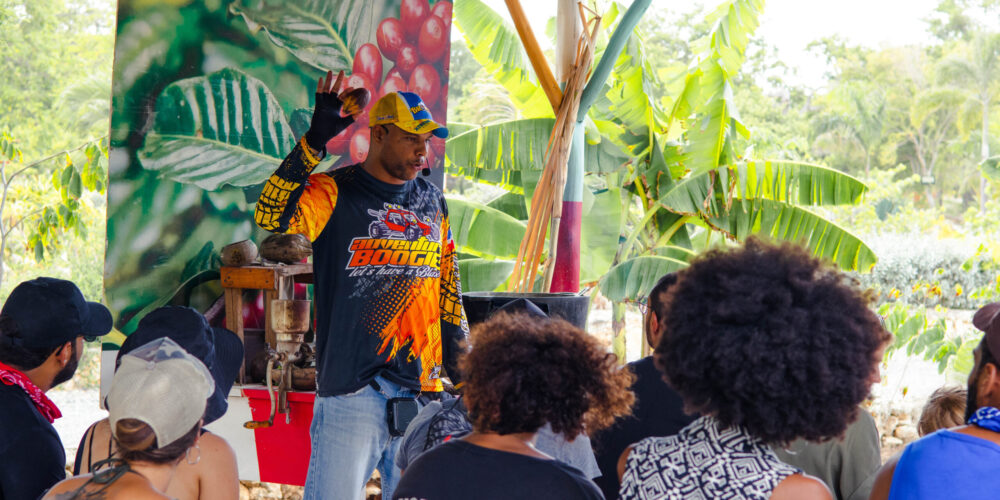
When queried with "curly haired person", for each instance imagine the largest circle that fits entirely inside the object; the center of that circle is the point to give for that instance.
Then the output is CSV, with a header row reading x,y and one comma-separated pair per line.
x,y
769,345
522,373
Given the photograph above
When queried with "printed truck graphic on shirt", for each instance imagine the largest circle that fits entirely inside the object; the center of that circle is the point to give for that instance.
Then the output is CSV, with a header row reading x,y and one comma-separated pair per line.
x,y
395,222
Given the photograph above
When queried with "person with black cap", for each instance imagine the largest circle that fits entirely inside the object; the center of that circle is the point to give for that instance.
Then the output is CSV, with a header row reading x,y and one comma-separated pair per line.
x,y
389,317
42,327
212,473
962,462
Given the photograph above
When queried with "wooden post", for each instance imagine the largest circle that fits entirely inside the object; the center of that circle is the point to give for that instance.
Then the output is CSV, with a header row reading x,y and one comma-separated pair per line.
x,y
234,319
568,30
535,55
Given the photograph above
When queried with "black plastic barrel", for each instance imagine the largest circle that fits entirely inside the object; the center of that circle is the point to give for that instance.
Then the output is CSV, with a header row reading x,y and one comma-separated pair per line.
x,y
568,306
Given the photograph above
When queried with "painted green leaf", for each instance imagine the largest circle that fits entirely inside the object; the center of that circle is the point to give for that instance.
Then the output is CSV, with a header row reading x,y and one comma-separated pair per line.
x,y
225,128
482,275
796,224
483,231
635,278
147,48
321,33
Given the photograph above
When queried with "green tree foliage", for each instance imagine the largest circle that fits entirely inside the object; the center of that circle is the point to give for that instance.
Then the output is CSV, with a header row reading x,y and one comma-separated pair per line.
x,y
56,69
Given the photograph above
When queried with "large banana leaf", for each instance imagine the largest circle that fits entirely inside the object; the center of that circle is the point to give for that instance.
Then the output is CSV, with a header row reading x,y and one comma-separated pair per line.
x,y
512,204
513,145
322,33
483,231
219,129
635,278
494,153
601,229
630,89
495,45
796,224
482,275
706,103
784,181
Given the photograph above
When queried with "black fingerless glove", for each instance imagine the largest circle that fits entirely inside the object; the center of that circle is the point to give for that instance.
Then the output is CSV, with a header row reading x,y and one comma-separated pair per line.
x,y
326,121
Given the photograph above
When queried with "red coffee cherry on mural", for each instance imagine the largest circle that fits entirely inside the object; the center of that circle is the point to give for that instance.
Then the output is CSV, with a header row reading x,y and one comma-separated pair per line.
x,y
393,83
359,145
390,37
359,81
433,41
408,59
368,60
426,83
442,10
412,14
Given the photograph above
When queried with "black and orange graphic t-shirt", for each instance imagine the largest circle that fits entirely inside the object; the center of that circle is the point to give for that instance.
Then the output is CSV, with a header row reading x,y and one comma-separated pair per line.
x,y
387,291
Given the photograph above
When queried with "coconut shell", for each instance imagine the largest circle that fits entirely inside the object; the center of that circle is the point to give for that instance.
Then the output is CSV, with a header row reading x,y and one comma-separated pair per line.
x,y
355,101
286,248
238,254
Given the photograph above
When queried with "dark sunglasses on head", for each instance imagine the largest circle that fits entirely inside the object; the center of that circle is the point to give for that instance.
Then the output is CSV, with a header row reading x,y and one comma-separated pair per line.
x,y
89,338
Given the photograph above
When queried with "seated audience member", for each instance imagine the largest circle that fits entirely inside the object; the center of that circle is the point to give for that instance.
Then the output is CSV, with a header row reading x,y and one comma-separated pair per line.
x,y
522,372
961,463
769,345
439,421
658,410
847,465
42,327
214,475
945,408
156,403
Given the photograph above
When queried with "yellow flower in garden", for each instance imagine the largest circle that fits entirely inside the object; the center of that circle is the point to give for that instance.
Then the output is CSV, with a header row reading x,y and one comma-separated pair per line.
x,y
894,293
916,287
958,290
935,290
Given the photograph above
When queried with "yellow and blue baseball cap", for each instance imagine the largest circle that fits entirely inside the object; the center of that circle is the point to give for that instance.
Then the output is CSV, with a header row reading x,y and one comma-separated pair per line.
x,y
407,111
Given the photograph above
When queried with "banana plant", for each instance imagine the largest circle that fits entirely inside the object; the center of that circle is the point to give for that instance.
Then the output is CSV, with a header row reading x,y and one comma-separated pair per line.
x,y
677,166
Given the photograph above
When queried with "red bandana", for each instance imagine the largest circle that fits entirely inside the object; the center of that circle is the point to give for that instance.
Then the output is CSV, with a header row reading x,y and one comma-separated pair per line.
x,y
12,376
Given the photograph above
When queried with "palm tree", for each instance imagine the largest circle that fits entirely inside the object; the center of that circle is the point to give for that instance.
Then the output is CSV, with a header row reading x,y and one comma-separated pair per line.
x,y
860,121
977,73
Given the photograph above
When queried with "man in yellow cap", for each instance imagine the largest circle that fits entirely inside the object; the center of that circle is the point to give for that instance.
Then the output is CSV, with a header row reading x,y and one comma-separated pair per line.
x,y
389,313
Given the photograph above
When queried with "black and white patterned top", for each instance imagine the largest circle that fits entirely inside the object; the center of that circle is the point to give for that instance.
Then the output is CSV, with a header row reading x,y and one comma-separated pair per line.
x,y
703,461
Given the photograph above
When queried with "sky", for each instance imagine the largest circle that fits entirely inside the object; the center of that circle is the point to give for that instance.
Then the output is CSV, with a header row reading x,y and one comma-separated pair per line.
x,y
790,25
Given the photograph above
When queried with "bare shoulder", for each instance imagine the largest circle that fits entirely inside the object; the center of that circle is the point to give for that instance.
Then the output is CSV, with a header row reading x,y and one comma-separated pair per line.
x,y
883,480
215,448
127,487
218,477
623,461
801,487
64,489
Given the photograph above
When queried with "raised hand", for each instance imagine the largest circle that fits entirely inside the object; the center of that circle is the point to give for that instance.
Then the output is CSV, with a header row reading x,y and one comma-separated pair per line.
x,y
326,120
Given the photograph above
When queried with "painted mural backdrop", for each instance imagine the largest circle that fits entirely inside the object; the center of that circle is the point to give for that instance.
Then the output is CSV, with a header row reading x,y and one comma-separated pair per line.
x,y
210,95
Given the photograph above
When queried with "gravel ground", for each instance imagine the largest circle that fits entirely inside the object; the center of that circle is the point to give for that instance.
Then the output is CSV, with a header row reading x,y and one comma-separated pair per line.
x,y
79,409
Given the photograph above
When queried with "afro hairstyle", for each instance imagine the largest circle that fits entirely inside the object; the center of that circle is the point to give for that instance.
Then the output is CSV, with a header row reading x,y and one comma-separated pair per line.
x,y
524,371
768,338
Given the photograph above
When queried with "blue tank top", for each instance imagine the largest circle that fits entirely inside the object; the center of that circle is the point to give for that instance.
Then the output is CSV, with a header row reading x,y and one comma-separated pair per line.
x,y
947,465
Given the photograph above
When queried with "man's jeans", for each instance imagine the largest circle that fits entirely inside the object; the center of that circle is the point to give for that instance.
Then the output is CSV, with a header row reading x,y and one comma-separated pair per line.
x,y
350,438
